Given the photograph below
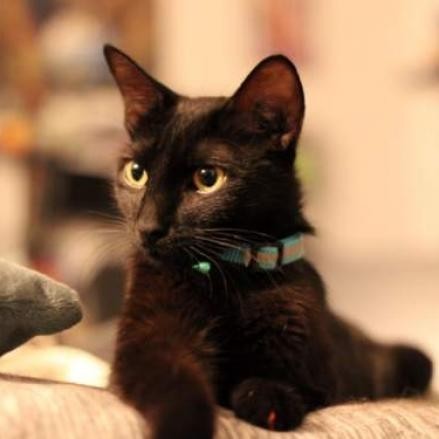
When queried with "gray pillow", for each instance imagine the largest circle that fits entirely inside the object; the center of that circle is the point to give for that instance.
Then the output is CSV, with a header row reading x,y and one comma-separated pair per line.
x,y
33,304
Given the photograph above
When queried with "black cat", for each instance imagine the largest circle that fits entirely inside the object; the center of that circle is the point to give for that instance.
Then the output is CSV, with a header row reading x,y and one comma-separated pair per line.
x,y
221,306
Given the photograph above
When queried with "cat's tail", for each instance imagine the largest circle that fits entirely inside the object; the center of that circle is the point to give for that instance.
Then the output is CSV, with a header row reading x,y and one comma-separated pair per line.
x,y
376,370
171,393
411,372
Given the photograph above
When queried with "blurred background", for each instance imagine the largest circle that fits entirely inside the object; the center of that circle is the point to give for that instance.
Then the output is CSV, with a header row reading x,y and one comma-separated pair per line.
x,y
369,154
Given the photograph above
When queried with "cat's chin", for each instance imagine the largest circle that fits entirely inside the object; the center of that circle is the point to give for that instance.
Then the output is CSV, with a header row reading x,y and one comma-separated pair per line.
x,y
163,258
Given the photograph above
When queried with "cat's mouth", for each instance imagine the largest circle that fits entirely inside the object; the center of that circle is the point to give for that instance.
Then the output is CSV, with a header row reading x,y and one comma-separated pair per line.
x,y
168,251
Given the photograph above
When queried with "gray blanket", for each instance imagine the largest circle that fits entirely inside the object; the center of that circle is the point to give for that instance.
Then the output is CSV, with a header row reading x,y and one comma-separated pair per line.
x,y
35,410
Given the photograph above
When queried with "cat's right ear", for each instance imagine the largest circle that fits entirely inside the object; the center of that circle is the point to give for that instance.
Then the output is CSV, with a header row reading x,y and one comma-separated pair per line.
x,y
270,102
145,98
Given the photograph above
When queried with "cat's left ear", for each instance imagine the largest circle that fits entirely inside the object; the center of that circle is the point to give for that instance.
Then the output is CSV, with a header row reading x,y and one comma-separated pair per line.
x,y
145,98
270,102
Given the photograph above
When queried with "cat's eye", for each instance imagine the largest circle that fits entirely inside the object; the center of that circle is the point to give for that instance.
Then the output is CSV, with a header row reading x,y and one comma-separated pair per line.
x,y
208,179
135,175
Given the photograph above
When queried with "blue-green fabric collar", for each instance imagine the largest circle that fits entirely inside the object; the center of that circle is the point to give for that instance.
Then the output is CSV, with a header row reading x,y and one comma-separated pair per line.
x,y
266,257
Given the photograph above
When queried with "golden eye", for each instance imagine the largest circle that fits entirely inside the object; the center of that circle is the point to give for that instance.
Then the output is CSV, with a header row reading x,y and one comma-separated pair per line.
x,y
208,179
135,175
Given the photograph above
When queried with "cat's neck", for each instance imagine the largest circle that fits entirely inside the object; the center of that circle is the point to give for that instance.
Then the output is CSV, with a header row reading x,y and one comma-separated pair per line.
x,y
225,286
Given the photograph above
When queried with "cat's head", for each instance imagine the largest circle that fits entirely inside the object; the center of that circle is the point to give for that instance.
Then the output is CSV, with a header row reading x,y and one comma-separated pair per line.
x,y
201,174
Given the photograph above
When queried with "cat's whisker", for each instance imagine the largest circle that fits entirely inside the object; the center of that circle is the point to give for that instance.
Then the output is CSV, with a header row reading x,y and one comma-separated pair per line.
x,y
231,238
119,247
214,262
218,242
213,249
190,250
240,231
267,272
106,217
237,297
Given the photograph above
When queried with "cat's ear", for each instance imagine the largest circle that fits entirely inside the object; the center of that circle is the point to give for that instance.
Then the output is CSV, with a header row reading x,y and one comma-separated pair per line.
x,y
144,97
270,102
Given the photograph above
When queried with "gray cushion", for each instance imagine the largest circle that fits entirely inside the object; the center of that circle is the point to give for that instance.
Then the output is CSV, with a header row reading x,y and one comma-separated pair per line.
x,y
35,410
32,304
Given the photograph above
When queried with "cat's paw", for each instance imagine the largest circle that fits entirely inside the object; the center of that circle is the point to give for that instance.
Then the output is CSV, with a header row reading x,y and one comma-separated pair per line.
x,y
268,404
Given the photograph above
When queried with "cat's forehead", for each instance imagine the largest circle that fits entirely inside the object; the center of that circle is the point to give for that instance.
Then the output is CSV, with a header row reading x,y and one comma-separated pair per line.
x,y
194,119
191,109
191,123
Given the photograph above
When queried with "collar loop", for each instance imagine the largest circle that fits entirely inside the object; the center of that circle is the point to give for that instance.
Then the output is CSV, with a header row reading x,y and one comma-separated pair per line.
x,y
269,256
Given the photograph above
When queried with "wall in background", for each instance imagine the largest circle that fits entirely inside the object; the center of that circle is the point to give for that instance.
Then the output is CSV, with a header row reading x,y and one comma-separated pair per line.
x,y
372,128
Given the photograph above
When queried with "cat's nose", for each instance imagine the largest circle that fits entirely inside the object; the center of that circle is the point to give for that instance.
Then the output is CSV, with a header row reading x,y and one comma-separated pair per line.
x,y
152,236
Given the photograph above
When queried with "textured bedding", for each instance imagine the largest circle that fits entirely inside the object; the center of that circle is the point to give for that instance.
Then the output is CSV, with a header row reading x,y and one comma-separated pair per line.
x,y
31,409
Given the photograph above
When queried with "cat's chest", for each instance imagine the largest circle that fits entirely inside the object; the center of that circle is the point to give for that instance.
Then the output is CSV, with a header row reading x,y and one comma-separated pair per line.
x,y
268,329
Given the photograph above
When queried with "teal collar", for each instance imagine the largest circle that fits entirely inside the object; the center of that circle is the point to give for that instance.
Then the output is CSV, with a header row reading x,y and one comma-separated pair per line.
x,y
266,257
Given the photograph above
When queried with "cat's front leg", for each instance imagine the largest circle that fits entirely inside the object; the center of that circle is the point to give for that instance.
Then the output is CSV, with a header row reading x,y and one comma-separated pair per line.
x,y
276,362
163,363
268,404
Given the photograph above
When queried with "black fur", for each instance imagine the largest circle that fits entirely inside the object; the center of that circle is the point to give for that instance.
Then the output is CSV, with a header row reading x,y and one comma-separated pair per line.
x,y
263,343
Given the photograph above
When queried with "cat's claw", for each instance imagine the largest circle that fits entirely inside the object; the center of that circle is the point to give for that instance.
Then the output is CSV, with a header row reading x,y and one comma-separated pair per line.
x,y
268,404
